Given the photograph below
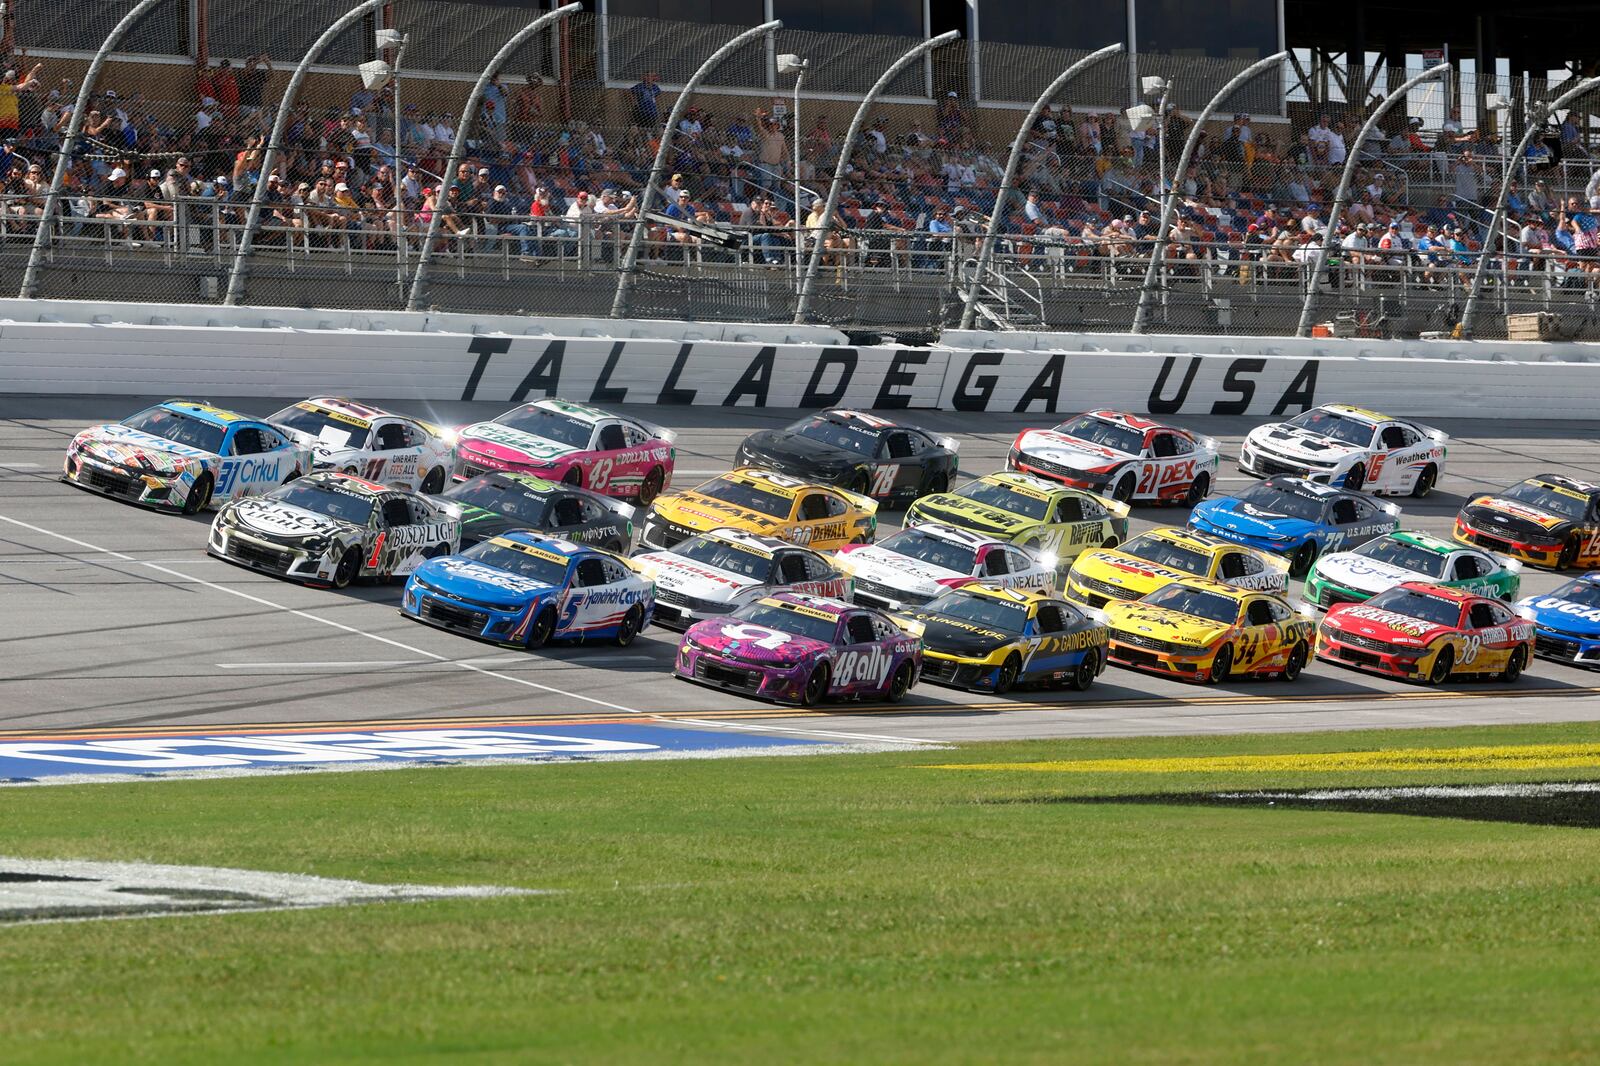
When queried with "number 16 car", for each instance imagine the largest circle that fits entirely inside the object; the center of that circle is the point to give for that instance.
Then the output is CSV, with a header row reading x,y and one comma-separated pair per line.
x,y
1350,447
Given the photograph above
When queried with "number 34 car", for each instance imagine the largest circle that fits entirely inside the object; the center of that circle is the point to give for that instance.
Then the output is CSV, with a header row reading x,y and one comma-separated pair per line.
x,y
1199,630
1428,633
988,637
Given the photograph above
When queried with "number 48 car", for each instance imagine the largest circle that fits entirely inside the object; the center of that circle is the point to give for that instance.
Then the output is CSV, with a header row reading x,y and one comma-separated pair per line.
x,y
1122,456
988,637
1428,633
1337,444
369,442
1197,630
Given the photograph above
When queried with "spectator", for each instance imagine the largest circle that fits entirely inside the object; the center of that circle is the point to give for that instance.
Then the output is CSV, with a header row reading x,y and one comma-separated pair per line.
x,y
646,96
253,84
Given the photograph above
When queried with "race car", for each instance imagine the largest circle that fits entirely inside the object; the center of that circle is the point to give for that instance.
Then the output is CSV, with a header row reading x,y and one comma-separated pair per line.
x,y
332,528
1154,558
868,455
1199,630
1297,518
790,648
1122,456
183,456
523,590
491,504
1550,520
1384,562
1043,517
922,563
1351,447
716,573
765,502
574,443
1417,631
1566,622
369,442
991,638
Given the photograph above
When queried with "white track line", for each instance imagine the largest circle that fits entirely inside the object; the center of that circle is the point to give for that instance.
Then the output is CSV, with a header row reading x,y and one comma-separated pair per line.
x,y
809,732
69,540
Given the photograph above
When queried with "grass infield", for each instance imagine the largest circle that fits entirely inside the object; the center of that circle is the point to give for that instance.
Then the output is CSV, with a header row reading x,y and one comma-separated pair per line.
x,y
863,909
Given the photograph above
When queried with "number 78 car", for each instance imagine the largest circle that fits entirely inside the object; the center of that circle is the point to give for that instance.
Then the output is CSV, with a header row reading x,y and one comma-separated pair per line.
x,y
1350,447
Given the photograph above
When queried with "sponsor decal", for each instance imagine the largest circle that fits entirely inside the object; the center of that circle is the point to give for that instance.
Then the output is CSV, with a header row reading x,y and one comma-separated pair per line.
x,y
800,608
469,570
869,667
239,475
1400,623
760,636
1576,610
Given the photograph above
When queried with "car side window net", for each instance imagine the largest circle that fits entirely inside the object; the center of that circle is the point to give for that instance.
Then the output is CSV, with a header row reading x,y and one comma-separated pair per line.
x,y
860,629
1258,613
611,438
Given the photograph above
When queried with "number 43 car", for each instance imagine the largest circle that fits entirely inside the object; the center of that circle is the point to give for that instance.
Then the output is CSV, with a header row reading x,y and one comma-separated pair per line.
x,y
1122,456
1427,633
868,455
1197,630
989,638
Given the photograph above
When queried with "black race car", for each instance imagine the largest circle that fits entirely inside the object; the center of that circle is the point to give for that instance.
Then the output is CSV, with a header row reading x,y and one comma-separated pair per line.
x,y
499,502
854,450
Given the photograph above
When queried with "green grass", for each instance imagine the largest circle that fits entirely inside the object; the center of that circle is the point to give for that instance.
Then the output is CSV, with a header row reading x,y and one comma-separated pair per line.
x,y
843,908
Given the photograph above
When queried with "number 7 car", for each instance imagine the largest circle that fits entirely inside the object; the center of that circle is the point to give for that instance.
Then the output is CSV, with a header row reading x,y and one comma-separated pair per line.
x,y
1043,517
990,638
1198,630
1123,456
1422,632
1351,447
370,443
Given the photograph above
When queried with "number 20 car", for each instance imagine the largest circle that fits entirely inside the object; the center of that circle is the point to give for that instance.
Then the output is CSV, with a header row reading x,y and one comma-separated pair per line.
x,y
1158,556
771,504
988,637
1427,633
1197,630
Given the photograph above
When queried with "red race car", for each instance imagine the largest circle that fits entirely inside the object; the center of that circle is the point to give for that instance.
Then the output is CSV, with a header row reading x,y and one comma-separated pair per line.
x,y
1122,456
1424,632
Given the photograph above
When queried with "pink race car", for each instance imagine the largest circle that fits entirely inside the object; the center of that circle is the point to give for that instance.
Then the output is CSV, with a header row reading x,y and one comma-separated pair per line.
x,y
792,648
574,443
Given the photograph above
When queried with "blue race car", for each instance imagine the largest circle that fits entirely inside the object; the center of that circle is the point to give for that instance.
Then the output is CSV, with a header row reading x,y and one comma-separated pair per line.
x,y
1297,518
522,589
1566,622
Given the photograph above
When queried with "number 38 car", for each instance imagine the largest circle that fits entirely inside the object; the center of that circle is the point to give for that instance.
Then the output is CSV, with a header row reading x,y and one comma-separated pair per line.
x,y
768,503
370,442
1154,558
1021,509
1337,444
1122,456
989,637
1199,630
1549,520
870,456
1429,633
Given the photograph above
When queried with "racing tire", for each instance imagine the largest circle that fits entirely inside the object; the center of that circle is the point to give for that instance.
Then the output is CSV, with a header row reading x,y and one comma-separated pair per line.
x,y
199,495
1356,477
859,484
632,622
1199,489
346,569
1442,664
651,486
1221,666
1569,554
1086,671
543,626
816,689
433,484
1515,665
900,683
1303,559
573,476
1009,670
1425,481
1296,663
1125,487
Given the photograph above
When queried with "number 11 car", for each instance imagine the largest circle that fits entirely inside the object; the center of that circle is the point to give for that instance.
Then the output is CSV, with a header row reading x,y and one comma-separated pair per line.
x,y
1429,633
369,442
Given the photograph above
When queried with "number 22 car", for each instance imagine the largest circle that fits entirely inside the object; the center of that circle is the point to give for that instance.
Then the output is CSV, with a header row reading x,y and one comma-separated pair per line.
x,y
1428,633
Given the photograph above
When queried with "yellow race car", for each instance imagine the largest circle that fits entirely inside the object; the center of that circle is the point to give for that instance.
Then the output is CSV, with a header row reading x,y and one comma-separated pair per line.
x,y
1050,520
1199,630
761,501
1159,556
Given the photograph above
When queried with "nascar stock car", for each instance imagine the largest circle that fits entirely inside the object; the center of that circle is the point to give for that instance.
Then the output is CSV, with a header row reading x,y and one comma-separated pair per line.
x,y
183,456
332,528
716,573
765,502
991,638
491,504
1296,518
1043,517
802,649
370,442
1337,444
1567,621
523,590
1198,630
1158,556
1549,520
571,442
1426,632
1384,562
868,455
921,563
1122,456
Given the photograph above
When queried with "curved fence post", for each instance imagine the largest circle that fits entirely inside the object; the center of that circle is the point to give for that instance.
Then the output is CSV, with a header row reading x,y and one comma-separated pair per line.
x,y
847,148
986,249
1169,198
1332,232
69,144
630,262
269,158
419,280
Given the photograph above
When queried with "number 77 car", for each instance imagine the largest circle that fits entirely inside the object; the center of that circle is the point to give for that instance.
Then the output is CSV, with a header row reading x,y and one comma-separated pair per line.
x,y
1423,632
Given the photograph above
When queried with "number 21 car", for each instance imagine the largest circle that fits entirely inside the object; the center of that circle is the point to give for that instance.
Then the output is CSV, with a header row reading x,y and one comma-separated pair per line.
x,y
989,638
1423,632
868,455
1122,456
1198,630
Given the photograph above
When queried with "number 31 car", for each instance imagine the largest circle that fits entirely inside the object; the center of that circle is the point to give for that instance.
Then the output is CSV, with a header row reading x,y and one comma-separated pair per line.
x,y
1427,633
868,455
988,637
1122,456
1197,630
370,443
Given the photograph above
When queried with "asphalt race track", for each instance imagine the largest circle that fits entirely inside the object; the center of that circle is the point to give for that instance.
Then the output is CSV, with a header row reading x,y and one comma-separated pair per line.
x,y
114,618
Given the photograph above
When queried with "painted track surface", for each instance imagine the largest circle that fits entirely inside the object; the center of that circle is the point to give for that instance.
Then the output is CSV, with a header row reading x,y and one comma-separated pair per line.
x,y
114,619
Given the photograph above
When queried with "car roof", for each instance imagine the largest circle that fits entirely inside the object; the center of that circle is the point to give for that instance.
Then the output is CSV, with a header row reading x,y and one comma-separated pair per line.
x,y
771,480
1027,483
528,482
1444,592
1193,538
1426,540
1562,481
861,419
1123,418
1029,598
1205,584
216,416
581,411
1361,413
952,535
362,412
1300,486
755,542
555,548
816,606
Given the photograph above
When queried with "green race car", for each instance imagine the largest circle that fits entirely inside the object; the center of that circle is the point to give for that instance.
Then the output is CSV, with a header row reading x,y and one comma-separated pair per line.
x,y
1384,562
1042,516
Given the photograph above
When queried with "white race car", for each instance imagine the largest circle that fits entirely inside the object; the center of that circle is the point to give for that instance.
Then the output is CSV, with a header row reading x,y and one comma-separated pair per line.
x,y
1351,448
920,564
371,443
716,573
1126,457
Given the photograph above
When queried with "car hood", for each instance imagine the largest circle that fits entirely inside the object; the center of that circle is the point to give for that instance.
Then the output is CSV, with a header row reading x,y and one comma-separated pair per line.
x,y
1126,571
1159,623
962,513
699,512
141,452
265,516
1369,621
511,445
674,572
873,563
480,524
1247,519
1284,439
1363,574
474,581
794,449
730,638
1499,507
953,636
1069,451
1553,612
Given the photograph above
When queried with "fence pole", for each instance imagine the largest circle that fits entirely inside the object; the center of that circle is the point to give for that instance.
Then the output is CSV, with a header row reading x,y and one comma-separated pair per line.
x,y
1331,234
619,305
1469,313
419,280
69,144
986,249
846,149
1169,196
269,158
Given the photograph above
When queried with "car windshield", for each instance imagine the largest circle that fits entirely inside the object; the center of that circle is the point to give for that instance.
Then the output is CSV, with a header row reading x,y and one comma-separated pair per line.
x,y
1197,602
549,571
1274,500
551,425
333,430
1579,591
985,611
1332,424
786,621
1405,555
1163,552
862,441
1106,434
345,506
748,496
505,498
917,544
1547,499
1003,497
1418,605
178,428
726,555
